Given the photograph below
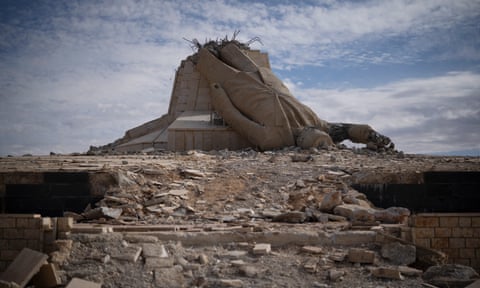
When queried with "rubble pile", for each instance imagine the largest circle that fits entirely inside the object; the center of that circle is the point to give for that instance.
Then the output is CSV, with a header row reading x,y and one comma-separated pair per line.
x,y
287,218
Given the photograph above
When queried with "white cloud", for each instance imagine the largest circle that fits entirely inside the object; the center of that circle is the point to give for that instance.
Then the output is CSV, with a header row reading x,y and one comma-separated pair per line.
x,y
75,73
421,115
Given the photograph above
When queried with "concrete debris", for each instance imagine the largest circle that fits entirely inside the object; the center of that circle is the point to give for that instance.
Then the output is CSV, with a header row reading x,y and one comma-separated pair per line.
x,y
363,256
399,253
330,201
262,249
450,275
387,272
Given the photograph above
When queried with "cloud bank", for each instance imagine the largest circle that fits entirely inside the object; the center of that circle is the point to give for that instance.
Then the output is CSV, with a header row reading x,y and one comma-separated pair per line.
x,y
80,73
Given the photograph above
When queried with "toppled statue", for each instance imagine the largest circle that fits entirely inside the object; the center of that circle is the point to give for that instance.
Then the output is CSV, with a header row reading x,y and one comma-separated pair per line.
x,y
256,104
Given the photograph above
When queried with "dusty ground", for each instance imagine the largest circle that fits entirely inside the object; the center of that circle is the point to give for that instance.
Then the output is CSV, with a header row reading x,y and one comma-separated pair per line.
x,y
238,193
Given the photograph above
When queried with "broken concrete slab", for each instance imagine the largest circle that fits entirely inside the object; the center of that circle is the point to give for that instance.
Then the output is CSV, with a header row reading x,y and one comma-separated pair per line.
x,y
24,267
47,277
80,283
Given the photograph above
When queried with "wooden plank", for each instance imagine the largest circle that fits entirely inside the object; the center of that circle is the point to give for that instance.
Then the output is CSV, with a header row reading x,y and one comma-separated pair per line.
x,y
47,277
80,283
24,266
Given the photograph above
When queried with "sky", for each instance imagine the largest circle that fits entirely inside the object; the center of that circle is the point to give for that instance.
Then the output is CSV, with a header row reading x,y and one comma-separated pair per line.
x,y
80,73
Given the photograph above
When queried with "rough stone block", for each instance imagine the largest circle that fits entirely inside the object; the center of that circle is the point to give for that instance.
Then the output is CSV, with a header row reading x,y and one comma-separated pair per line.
x,y
358,255
462,232
425,221
424,232
7,223
129,253
467,253
32,234
13,233
387,272
465,222
440,243
472,243
262,249
353,237
26,264
476,221
80,283
156,262
443,232
456,243
448,221
154,250
398,253
64,224
423,242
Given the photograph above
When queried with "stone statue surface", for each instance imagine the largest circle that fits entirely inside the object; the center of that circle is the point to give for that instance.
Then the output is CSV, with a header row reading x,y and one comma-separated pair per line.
x,y
256,104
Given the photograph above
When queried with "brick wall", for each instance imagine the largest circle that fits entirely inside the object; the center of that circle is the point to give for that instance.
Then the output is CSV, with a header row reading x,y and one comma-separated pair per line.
x,y
456,234
18,231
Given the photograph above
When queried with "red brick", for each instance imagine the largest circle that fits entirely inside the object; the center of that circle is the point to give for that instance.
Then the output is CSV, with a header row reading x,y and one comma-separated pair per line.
x,y
467,253
443,232
424,232
448,221
7,223
13,233
439,243
462,232
472,243
456,243
465,222
422,221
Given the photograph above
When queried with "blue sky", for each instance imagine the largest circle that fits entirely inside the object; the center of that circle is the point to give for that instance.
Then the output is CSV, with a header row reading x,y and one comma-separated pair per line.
x,y
81,73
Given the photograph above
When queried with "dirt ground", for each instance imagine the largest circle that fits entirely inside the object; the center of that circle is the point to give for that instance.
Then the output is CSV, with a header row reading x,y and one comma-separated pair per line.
x,y
241,194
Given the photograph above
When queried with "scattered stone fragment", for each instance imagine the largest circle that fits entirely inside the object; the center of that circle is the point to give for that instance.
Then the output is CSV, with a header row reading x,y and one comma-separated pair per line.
x,y
203,259
312,249
392,215
154,250
80,283
237,263
103,212
170,277
248,270
155,262
335,274
387,272
290,217
310,266
355,212
398,253
337,256
235,254
450,275
330,201
129,253
229,283
358,255
409,271
262,249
